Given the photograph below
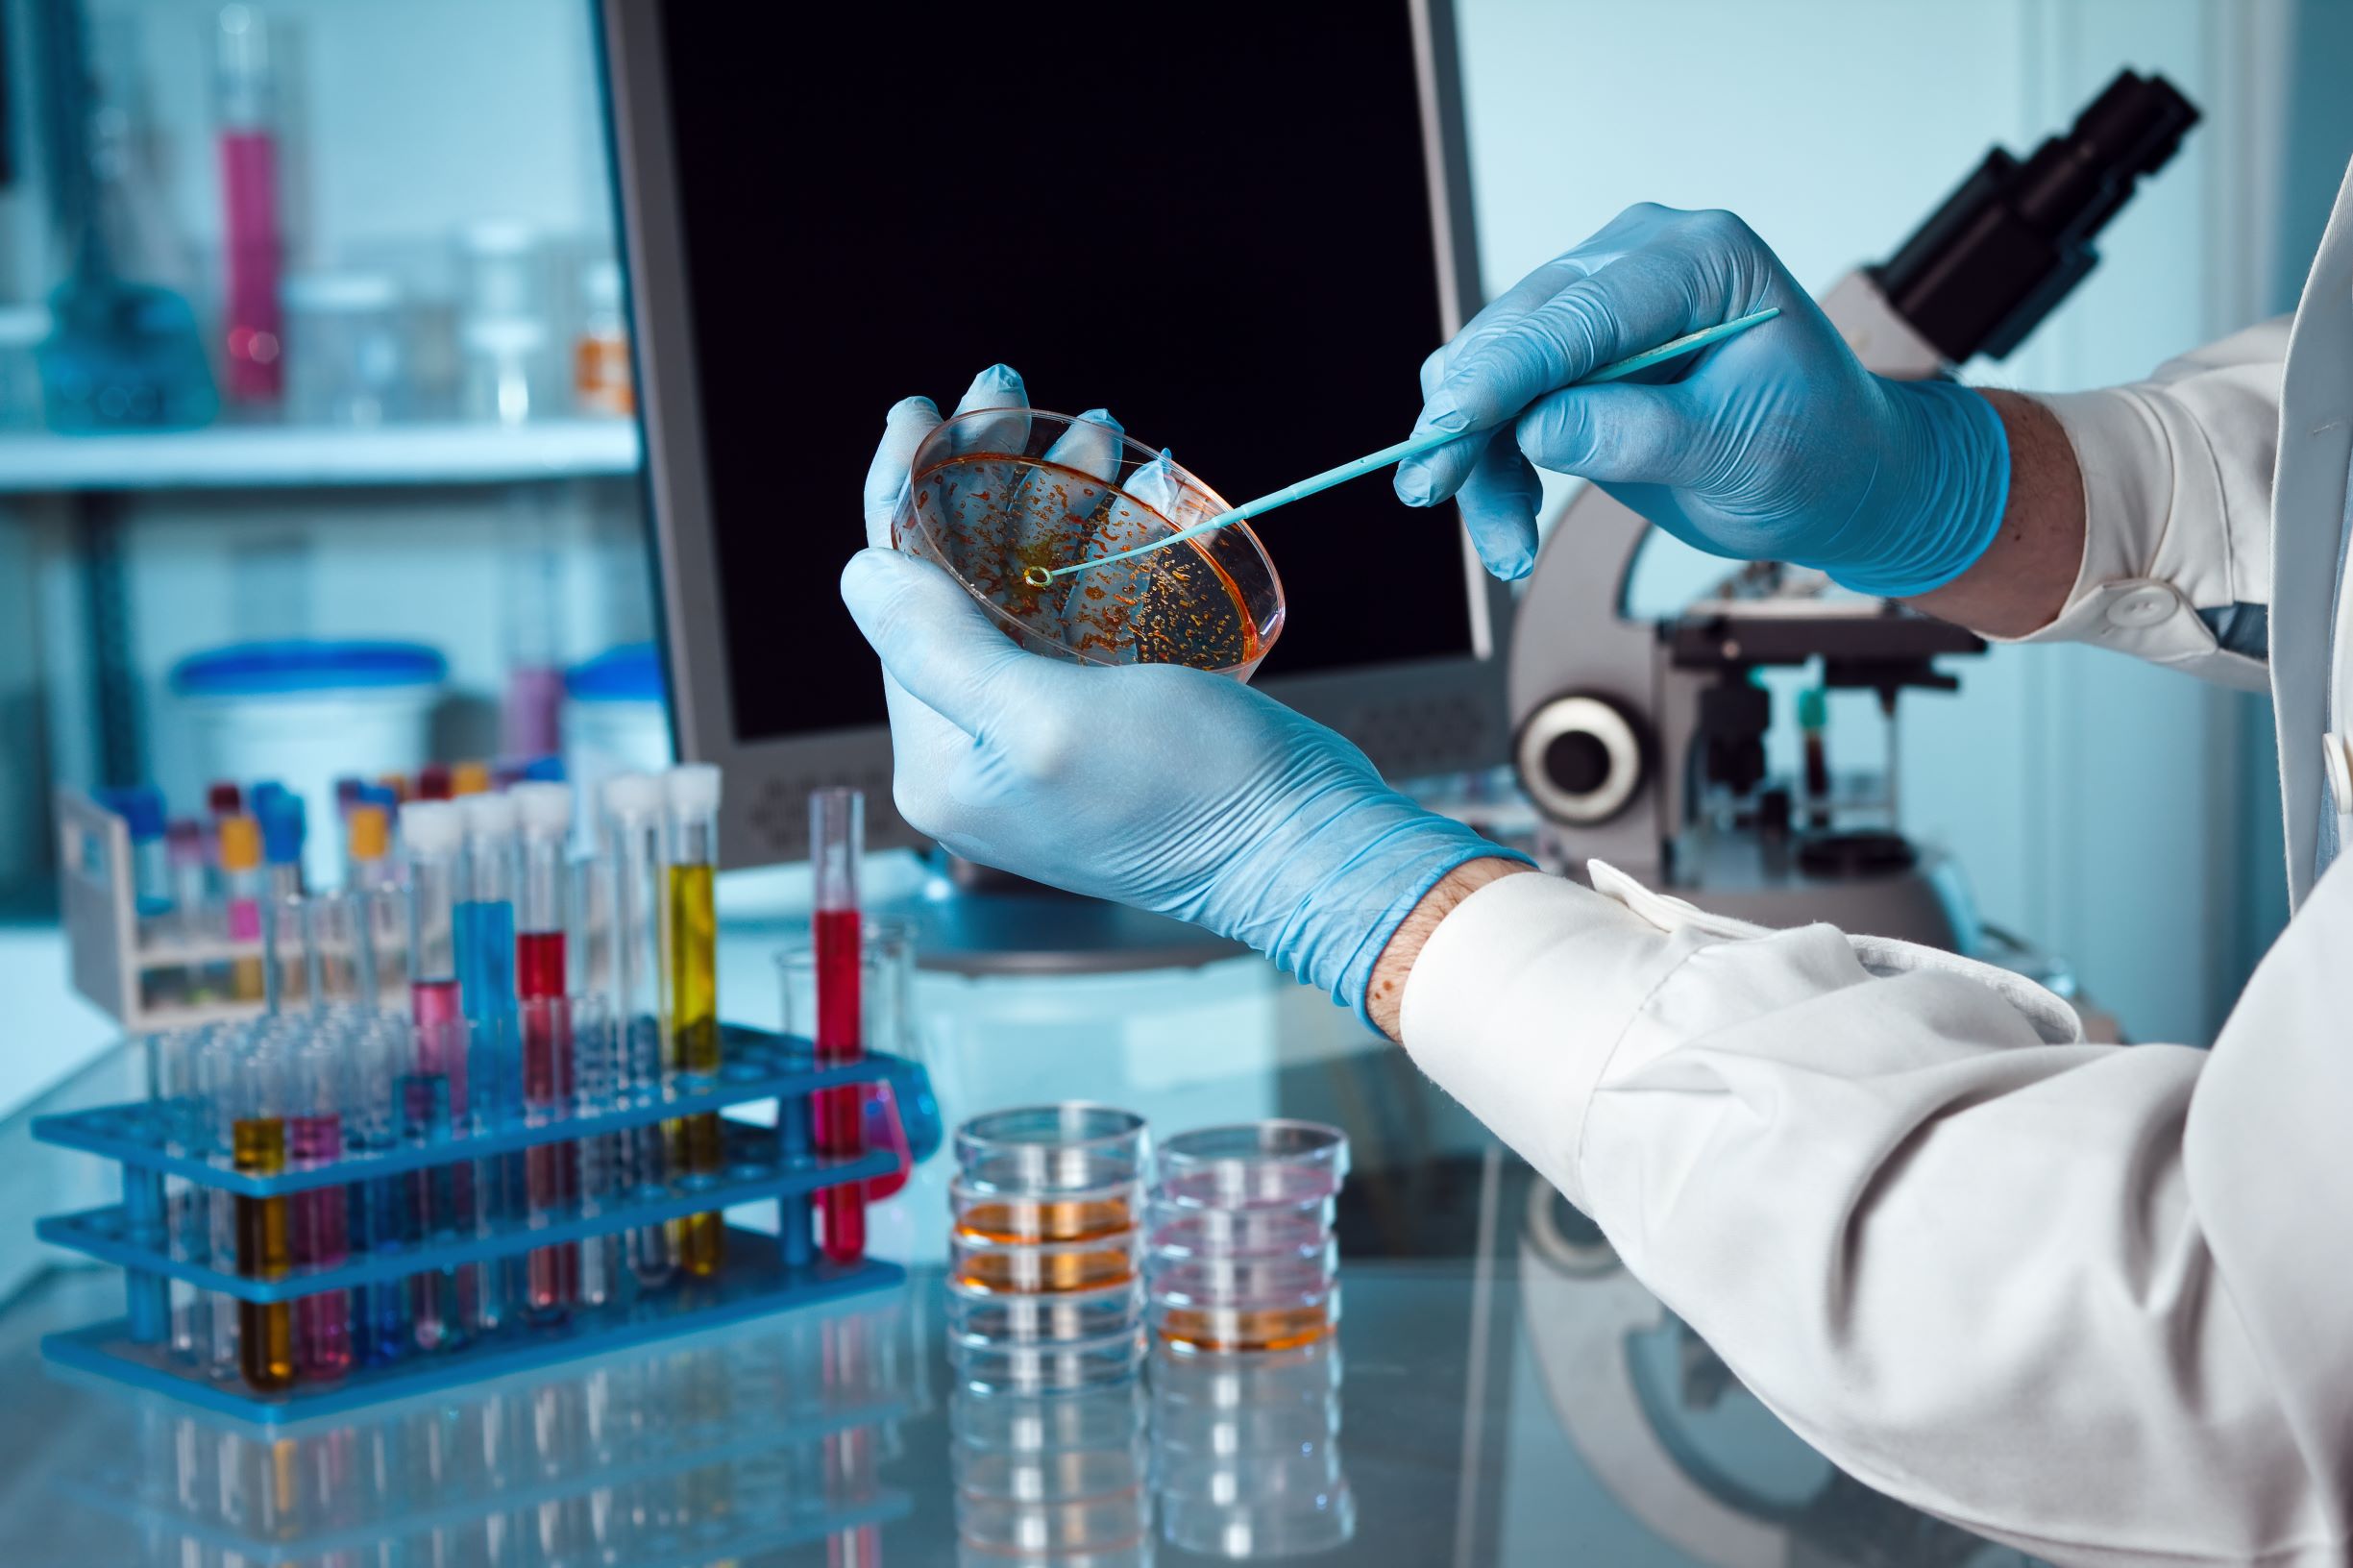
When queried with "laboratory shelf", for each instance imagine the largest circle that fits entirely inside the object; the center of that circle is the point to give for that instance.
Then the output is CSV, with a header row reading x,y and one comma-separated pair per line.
x,y
286,456
758,1066
756,1171
756,1280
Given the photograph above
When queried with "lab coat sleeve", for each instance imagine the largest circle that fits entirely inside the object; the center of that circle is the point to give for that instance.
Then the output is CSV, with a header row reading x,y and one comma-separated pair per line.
x,y
2177,497
2089,1299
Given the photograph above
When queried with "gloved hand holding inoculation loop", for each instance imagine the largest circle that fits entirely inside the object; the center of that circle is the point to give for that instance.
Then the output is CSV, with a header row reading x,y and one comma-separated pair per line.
x,y
1170,789
1776,445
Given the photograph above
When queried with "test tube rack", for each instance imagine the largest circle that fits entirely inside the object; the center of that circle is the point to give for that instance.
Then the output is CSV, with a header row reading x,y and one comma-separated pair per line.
x,y
115,959
762,1274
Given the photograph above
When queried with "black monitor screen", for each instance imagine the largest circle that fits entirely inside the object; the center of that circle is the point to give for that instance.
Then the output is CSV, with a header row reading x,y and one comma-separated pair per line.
x,y
1211,217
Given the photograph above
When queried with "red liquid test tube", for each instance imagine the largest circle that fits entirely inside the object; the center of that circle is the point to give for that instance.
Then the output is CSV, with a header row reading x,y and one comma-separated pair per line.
x,y
837,841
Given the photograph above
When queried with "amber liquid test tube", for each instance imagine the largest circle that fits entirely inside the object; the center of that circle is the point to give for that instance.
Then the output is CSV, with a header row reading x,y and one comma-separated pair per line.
x,y
265,1246
691,792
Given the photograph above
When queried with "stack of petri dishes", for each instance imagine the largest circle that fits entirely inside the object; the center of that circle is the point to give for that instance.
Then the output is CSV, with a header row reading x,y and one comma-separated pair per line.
x,y
1044,1293
1241,1254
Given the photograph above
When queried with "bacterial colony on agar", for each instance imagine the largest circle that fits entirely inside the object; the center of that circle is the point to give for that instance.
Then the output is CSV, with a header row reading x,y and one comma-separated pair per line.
x,y
1000,522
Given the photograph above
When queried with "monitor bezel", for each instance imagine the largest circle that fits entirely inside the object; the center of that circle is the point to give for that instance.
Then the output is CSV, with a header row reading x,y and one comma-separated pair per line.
x,y
1416,716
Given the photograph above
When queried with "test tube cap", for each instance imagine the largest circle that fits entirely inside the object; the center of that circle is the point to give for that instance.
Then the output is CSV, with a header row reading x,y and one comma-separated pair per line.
x,y
141,807
487,816
469,778
632,794
283,827
185,837
240,848
544,808
368,831
691,788
431,827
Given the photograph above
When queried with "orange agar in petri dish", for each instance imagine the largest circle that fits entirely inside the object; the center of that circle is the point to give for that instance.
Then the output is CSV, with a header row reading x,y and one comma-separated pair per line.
x,y
997,496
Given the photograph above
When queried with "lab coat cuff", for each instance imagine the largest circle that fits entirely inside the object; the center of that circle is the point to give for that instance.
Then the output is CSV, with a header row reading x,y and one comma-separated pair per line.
x,y
2143,577
1518,1000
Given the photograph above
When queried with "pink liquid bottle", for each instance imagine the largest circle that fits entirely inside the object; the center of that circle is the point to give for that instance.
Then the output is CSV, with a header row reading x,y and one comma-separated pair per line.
x,y
251,250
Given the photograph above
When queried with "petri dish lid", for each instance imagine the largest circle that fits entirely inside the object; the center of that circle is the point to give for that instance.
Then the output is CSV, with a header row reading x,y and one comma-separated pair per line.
x,y
1279,1161
1049,1149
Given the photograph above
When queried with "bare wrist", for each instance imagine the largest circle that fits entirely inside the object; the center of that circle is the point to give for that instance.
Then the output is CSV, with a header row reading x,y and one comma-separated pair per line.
x,y
1386,997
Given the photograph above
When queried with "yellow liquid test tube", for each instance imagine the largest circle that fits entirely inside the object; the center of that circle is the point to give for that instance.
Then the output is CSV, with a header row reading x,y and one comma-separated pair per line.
x,y
691,794
265,1330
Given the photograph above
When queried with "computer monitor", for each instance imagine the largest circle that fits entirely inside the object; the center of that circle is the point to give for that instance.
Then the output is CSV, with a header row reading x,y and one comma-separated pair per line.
x,y
1239,226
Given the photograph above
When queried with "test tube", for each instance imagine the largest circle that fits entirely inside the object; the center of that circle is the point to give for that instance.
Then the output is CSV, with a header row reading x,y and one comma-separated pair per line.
x,y
382,912
551,1274
217,1086
173,1084
633,809
286,959
283,830
265,1330
240,851
597,1087
692,791
431,836
386,1059
837,841
485,935
141,808
322,1089
183,843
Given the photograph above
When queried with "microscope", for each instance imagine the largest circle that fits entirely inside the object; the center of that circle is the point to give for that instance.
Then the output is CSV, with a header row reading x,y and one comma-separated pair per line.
x,y
1641,742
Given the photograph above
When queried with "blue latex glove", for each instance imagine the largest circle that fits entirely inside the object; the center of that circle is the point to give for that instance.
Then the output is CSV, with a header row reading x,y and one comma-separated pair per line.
x,y
1170,789
1776,445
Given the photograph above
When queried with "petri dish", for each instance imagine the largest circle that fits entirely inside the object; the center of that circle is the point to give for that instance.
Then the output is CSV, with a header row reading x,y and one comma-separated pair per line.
x,y
998,495
990,1214
1072,1147
1277,1162
1039,1267
1246,1276
1078,1314
1185,1230
1047,1368
1244,1327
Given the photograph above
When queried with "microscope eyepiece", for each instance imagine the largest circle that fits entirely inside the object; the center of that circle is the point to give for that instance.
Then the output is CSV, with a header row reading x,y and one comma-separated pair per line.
x,y
2007,246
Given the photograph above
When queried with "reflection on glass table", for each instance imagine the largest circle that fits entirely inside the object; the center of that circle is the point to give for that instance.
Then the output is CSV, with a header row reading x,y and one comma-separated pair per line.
x,y
1509,1394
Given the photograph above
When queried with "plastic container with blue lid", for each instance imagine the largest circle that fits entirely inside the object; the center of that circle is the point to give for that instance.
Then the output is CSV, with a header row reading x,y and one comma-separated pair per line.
x,y
306,713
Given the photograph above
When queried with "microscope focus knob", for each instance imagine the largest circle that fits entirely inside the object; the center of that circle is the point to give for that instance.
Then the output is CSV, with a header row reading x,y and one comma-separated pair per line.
x,y
1580,759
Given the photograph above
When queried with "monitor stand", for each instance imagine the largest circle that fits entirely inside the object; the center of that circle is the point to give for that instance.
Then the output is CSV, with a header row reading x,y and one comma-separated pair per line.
x,y
973,920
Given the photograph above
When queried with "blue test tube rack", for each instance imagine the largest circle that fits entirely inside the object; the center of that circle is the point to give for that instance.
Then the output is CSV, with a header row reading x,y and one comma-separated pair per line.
x,y
762,1274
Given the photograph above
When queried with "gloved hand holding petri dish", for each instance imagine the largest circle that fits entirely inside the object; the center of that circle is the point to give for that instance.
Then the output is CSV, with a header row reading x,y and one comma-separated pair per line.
x,y
1008,499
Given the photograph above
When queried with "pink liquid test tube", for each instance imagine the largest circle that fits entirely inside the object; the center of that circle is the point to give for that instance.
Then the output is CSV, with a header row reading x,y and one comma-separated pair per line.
x,y
551,1274
314,1134
432,835
253,333
837,842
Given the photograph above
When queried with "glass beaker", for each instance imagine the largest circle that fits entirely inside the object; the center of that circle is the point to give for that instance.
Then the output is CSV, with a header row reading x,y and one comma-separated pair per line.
x,y
885,988
999,496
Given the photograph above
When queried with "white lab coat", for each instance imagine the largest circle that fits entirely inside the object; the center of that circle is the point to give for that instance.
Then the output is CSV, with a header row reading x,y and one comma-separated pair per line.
x,y
2094,1301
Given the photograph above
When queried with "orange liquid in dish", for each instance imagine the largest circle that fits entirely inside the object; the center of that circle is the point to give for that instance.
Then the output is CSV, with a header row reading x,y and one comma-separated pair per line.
x,y
1041,1273
1048,1219
1276,1327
